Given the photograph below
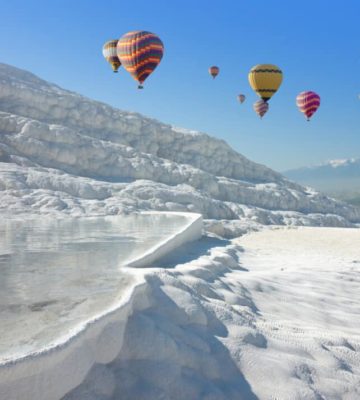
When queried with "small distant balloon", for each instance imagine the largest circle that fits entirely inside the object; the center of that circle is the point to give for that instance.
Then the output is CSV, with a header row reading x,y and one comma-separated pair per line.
x,y
241,98
261,108
140,52
214,71
110,53
265,80
308,102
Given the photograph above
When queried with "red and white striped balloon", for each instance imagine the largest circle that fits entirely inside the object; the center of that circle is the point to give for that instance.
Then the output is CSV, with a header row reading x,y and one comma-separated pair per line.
x,y
261,107
308,102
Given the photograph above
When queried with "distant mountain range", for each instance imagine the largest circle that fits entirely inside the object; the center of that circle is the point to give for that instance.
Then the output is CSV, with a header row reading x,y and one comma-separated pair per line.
x,y
340,178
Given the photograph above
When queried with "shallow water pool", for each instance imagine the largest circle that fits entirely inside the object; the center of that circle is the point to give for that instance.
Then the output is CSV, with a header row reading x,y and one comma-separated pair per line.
x,y
57,274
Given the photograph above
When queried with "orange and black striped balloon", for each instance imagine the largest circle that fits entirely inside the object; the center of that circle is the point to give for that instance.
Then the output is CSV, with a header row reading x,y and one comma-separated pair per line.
x,y
308,102
214,71
140,52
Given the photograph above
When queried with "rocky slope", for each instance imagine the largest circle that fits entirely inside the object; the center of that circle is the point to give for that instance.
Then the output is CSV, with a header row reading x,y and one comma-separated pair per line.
x,y
62,153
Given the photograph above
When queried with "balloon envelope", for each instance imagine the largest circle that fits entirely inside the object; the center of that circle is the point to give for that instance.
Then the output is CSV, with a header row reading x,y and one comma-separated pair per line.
x,y
261,108
308,102
110,53
241,98
214,71
265,80
140,52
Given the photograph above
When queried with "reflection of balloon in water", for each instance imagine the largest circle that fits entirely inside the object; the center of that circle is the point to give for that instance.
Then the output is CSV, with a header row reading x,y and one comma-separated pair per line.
x,y
308,102
110,53
261,107
214,71
241,98
265,80
140,52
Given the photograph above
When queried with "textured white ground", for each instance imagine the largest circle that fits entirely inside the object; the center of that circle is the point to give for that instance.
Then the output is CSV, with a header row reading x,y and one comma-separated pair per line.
x,y
305,286
272,315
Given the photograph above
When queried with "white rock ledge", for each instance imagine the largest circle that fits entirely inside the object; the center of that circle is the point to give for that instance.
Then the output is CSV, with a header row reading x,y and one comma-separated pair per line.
x,y
50,374
192,231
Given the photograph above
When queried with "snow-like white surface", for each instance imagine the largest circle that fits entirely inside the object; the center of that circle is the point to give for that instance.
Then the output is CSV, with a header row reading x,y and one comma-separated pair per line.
x,y
61,153
342,162
305,286
272,315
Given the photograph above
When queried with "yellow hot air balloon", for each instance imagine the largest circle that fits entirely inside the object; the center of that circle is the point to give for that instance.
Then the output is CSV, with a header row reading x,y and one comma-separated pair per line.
x,y
265,80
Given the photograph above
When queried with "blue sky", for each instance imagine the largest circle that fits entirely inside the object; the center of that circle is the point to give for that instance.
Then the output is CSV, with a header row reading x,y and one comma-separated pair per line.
x,y
315,43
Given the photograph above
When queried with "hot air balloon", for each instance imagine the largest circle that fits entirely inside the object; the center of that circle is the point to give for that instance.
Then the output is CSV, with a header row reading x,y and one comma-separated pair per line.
x,y
261,107
140,52
265,80
241,98
214,71
308,102
110,53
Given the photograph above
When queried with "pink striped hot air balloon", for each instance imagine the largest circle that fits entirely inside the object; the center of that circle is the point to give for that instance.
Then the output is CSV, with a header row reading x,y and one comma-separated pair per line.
x,y
308,102
261,107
